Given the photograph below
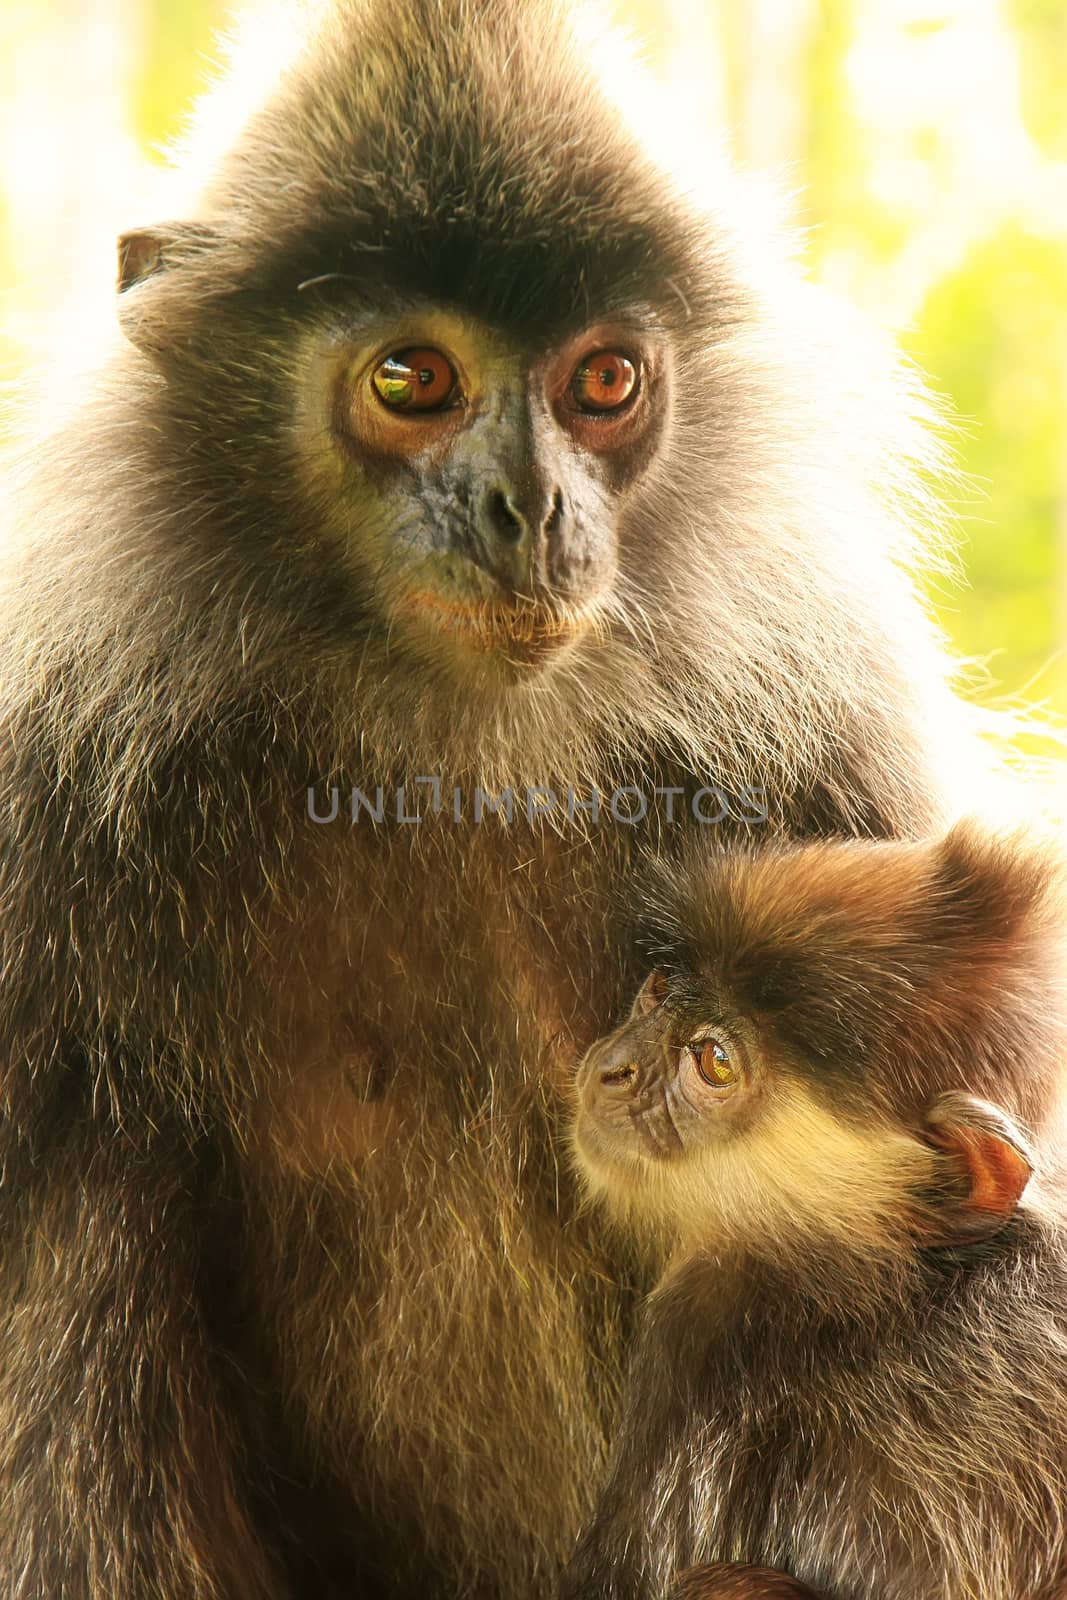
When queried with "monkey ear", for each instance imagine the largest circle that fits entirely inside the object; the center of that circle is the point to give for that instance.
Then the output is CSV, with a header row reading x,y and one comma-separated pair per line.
x,y
651,994
990,1155
147,257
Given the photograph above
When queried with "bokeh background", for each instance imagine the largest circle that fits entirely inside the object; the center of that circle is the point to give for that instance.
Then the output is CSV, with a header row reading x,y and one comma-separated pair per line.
x,y
923,145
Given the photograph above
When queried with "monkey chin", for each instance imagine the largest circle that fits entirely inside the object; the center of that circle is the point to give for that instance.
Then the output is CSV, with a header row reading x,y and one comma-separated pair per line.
x,y
616,1170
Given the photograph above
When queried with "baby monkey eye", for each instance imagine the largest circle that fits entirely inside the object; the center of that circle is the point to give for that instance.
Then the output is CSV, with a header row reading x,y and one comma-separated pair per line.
x,y
603,381
415,380
713,1062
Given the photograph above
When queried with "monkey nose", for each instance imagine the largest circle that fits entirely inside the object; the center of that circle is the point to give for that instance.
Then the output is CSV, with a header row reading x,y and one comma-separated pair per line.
x,y
511,518
619,1078
505,520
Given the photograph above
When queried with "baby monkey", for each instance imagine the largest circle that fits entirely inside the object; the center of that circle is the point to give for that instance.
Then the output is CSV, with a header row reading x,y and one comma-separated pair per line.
x,y
850,1382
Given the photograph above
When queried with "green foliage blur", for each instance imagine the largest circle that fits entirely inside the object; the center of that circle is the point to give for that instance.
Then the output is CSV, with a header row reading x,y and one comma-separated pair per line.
x,y
924,146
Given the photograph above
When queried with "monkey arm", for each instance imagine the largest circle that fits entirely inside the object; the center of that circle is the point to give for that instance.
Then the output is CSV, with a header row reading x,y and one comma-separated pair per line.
x,y
120,1475
683,1483
604,1566
639,1535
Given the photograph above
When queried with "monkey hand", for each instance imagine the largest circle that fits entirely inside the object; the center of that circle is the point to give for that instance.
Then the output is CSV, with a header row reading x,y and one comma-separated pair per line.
x,y
728,1580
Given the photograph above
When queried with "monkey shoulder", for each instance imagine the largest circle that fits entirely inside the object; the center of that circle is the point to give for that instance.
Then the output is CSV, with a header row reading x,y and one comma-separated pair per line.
x,y
762,1366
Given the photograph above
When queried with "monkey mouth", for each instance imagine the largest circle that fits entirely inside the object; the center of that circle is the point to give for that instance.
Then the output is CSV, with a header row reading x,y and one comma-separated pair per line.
x,y
521,629
642,1131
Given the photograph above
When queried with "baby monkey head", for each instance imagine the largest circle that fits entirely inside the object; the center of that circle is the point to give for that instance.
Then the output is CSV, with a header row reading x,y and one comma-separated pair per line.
x,y
839,1041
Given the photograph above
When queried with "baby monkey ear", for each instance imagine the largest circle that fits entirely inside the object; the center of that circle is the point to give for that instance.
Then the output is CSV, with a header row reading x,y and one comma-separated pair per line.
x,y
651,994
992,1160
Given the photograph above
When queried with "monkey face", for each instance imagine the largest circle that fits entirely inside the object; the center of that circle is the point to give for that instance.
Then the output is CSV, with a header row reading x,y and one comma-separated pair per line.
x,y
459,483
478,482
686,1126
659,1088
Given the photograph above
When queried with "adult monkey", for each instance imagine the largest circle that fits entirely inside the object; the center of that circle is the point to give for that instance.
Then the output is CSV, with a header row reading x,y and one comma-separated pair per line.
x,y
449,440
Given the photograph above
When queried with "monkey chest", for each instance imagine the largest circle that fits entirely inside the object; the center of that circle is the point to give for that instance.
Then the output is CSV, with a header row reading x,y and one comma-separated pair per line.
x,y
431,978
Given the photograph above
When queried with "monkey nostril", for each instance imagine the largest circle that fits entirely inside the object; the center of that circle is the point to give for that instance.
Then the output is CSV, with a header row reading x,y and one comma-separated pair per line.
x,y
504,518
555,515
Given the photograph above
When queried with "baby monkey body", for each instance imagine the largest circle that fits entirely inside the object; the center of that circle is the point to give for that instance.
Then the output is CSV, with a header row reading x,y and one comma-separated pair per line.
x,y
851,1378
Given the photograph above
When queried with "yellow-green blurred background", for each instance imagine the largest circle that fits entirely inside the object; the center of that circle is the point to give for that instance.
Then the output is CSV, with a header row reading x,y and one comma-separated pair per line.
x,y
924,144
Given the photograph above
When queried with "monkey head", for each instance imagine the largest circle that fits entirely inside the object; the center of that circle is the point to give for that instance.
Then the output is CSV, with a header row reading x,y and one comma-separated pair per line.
x,y
839,1040
439,368
470,480
462,425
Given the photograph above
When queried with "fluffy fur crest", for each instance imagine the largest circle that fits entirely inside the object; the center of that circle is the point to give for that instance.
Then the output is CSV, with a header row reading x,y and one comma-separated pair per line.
x,y
946,958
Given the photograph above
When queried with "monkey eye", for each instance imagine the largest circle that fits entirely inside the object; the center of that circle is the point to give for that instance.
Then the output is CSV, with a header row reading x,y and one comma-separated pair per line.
x,y
415,380
713,1063
603,381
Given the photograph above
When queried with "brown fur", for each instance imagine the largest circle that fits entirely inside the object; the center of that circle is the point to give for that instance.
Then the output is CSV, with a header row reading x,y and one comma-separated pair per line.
x,y
270,1329
851,1369
735,1582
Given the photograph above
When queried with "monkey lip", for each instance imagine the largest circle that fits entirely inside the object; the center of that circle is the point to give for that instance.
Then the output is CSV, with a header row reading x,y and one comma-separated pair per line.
x,y
521,628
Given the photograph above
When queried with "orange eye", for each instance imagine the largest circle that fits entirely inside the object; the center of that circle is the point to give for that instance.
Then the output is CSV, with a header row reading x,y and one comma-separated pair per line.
x,y
604,381
713,1063
415,380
